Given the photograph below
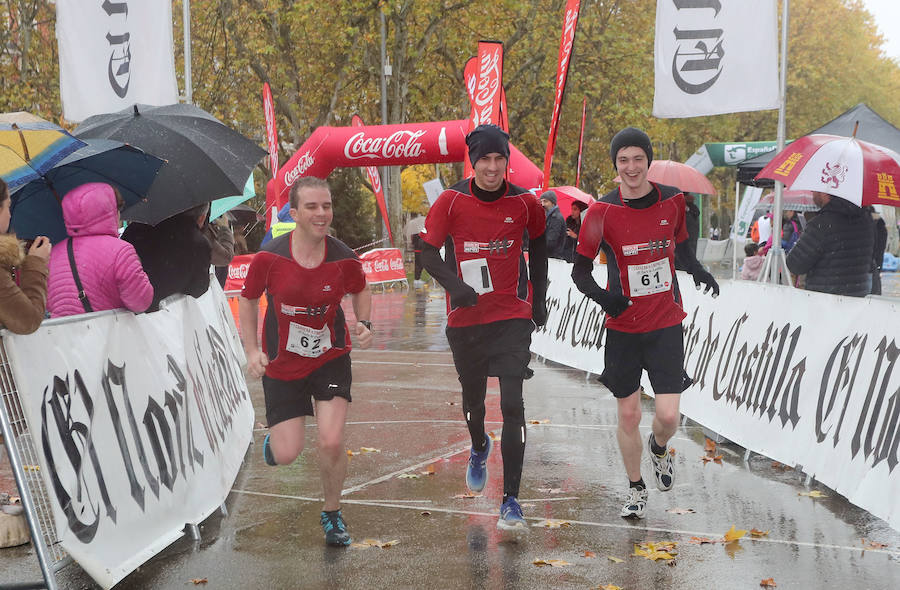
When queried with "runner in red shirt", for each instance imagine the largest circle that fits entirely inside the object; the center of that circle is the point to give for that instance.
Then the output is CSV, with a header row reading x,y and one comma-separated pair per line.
x,y
640,226
306,341
492,307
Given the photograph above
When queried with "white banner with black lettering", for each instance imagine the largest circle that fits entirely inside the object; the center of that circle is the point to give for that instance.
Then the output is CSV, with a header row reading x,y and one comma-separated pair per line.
x,y
714,57
804,378
141,423
113,54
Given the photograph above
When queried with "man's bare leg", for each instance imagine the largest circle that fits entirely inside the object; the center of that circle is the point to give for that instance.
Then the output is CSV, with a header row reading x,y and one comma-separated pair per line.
x,y
330,418
667,417
628,434
286,439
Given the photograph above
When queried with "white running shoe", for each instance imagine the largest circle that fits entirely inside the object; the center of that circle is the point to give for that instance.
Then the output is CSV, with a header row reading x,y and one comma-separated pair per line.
x,y
663,468
635,504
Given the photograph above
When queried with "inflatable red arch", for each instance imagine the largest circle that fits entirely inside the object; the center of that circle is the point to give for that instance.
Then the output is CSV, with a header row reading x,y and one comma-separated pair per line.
x,y
385,145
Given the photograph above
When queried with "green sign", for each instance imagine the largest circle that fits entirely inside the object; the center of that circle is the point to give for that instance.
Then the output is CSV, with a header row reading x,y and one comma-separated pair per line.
x,y
734,153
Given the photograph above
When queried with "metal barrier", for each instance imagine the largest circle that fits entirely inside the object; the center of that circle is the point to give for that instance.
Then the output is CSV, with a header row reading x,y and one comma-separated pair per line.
x,y
25,466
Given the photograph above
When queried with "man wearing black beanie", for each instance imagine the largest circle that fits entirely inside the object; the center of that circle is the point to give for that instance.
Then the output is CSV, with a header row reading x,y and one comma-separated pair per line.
x,y
492,304
641,228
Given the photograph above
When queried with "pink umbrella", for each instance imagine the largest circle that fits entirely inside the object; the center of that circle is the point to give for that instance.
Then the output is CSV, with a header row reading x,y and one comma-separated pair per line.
x,y
566,195
793,200
688,179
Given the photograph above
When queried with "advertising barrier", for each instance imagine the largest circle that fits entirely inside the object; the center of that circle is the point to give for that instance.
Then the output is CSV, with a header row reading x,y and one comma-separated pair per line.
x,y
804,378
383,265
140,422
237,272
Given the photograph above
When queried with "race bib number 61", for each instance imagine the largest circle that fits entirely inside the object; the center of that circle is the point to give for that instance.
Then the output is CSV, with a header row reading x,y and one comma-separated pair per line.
x,y
650,278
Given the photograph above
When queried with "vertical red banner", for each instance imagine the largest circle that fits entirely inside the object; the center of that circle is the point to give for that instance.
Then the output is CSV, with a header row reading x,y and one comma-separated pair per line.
x,y
272,136
566,43
377,188
580,143
484,82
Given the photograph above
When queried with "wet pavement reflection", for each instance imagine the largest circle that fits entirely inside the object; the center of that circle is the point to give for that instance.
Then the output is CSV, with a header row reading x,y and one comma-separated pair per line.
x,y
406,405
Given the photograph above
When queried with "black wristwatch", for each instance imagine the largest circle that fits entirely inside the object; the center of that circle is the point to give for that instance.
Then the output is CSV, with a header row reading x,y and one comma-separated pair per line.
x,y
367,324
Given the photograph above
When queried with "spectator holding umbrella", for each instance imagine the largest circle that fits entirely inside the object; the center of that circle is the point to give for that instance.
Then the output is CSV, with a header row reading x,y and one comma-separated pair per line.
x,y
23,277
573,227
93,270
555,228
175,254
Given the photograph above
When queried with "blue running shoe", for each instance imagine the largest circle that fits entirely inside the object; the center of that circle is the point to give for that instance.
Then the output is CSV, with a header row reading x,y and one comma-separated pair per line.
x,y
268,457
476,472
511,518
335,529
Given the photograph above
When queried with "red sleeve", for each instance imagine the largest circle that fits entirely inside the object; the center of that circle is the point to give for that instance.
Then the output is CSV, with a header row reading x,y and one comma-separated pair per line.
x,y
354,276
681,232
257,275
437,222
591,234
537,219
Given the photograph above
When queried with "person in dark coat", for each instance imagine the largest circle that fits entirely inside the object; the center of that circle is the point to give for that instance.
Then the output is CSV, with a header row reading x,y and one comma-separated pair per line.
x,y
835,249
573,227
692,223
878,251
555,229
175,254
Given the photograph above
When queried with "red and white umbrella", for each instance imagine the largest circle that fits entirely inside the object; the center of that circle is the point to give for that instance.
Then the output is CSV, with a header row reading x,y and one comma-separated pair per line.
x,y
687,178
861,172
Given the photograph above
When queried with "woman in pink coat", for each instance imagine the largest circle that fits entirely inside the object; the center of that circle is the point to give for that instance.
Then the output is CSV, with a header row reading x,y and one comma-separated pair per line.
x,y
109,269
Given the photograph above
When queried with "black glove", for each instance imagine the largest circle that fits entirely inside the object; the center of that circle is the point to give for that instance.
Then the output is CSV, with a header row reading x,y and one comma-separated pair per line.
x,y
464,296
612,303
704,277
539,310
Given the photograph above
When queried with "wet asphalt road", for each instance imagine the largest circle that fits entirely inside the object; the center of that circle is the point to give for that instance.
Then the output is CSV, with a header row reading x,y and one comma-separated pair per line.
x,y
406,405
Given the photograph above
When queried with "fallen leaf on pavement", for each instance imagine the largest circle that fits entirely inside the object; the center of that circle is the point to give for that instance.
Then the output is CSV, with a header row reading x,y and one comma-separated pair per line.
x,y
544,421
701,540
429,470
467,496
781,466
615,559
550,562
369,450
681,510
425,513
351,453
656,551
758,533
710,446
366,543
590,554
552,523
408,476
608,587
768,583
734,534
493,436
873,544
812,494
197,581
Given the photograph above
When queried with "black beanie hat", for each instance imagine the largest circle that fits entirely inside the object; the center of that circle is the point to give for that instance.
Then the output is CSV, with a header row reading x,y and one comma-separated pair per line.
x,y
486,139
628,137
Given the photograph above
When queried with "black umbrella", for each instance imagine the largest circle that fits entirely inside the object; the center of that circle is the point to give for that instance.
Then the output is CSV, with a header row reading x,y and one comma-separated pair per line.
x,y
206,159
243,215
36,205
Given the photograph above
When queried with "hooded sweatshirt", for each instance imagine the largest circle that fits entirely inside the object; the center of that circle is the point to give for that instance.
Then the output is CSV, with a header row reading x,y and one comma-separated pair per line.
x,y
109,268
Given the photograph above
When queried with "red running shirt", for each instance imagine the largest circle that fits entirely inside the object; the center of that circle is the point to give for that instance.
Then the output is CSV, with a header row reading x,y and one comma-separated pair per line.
x,y
484,243
640,256
304,326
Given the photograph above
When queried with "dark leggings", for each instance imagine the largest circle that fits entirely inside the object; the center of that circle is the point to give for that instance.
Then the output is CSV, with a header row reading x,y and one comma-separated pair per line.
x,y
512,441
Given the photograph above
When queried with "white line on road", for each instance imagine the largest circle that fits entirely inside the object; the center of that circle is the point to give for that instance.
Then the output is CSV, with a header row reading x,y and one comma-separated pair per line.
x,y
608,525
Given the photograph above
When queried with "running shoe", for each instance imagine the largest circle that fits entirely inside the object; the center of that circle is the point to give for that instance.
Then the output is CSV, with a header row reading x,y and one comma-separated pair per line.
x,y
477,472
268,457
663,468
335,529
635,504
511,518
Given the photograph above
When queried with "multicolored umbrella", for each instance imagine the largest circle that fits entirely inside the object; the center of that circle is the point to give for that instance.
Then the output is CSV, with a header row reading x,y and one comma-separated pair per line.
x,y
30,146
861,172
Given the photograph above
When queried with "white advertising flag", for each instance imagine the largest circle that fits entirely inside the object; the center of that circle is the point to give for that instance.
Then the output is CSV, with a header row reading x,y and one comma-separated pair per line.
x,y
714,57
114,54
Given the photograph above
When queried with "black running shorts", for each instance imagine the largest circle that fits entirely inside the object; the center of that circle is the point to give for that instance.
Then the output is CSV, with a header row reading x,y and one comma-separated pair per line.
x,y
497,349
294,398
660,353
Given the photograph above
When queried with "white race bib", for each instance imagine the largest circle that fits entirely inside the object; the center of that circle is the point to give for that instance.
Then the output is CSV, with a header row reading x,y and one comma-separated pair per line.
x,y
308,342
477,275
648,279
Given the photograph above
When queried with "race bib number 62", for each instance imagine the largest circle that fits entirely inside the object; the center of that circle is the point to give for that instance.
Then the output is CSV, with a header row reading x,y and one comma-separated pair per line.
x,y
308,342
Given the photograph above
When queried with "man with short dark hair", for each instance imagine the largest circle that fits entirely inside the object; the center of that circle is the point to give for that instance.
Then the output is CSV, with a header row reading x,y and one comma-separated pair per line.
x,y
640,226
492,307
305,359
555,229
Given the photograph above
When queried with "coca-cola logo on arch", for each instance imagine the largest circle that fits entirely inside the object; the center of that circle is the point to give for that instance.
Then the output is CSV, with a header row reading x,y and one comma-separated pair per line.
x,y
303,164
400,144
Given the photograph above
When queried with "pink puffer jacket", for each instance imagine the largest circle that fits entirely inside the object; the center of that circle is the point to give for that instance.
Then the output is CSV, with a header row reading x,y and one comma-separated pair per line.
x,y
109,268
